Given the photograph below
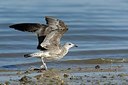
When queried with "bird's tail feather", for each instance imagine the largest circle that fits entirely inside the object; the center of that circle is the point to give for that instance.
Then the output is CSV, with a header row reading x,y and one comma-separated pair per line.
x,y
27,55
37,54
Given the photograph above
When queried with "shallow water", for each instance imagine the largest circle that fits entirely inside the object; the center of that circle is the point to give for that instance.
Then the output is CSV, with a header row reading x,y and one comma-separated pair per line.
x,y
98,27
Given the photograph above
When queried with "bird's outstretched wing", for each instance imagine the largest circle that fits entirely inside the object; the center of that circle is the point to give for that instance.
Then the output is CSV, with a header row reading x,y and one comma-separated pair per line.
x,y
29,27
51,32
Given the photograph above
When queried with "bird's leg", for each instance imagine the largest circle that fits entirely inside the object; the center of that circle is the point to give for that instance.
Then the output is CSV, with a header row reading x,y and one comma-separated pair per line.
x,y
44,64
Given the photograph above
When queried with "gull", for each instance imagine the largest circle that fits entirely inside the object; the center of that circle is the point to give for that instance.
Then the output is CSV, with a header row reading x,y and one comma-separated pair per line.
x,y
49,36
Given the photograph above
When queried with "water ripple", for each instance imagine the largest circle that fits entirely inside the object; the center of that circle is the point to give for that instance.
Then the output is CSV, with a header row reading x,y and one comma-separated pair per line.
x,y
98,27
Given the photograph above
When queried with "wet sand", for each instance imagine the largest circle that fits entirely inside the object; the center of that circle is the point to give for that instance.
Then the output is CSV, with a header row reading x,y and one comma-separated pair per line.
x,y
114,75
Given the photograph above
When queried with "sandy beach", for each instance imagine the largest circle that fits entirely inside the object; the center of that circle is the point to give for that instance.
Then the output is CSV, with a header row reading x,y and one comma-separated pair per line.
x,y
113,75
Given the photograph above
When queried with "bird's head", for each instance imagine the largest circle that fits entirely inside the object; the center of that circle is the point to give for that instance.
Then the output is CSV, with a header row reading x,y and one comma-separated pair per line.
x,y
69,45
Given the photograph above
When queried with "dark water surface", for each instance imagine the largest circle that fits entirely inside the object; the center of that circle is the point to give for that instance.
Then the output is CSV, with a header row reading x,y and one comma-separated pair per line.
x,y
99,28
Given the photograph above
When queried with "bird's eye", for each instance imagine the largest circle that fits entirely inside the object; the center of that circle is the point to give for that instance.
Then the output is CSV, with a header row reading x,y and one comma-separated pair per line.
x,y
69,44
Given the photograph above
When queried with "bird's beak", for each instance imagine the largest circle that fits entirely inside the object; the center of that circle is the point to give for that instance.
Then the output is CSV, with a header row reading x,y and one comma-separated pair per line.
x,y
75,46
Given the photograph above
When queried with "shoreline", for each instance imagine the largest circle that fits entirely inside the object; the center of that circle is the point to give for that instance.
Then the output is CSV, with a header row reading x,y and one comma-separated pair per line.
x,y
69,76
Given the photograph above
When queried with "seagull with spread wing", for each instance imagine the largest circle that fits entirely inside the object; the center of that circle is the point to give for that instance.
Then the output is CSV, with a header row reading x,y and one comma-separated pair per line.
x,y
49,36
